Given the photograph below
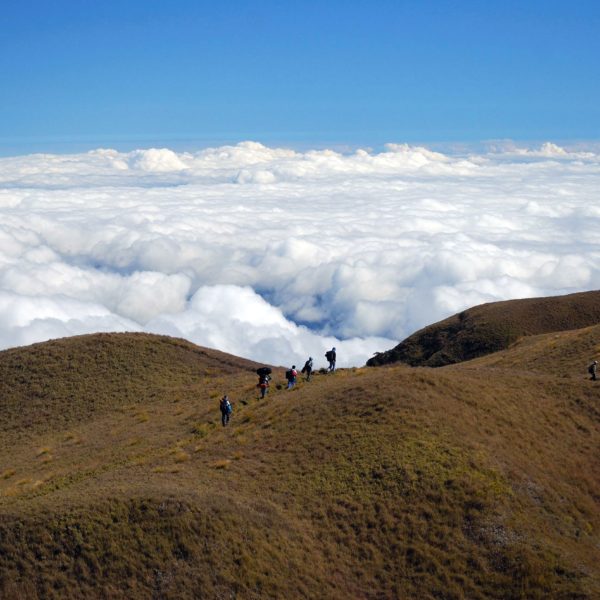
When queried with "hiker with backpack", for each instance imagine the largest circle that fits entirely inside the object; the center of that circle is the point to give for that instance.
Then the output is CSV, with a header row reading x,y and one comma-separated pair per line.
x,y
307,368
226,409
592,370
291,376
330,355
264,376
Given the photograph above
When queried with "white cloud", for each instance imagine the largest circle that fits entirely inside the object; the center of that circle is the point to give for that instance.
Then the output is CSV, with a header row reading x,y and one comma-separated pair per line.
x,y
276,254
237,320
153,160
26,319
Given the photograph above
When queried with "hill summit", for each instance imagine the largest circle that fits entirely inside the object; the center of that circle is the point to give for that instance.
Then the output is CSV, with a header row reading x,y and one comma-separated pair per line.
x,y
117,479
492,327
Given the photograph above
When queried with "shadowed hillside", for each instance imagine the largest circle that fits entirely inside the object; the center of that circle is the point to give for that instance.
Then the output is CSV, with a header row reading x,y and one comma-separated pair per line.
x,y
492,327
475,481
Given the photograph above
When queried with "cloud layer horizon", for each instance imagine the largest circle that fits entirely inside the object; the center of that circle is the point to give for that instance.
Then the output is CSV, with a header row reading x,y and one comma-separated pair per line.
x,y
275,254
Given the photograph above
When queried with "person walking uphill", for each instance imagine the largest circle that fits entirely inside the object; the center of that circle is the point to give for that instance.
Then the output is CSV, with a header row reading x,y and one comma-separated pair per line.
x,y
263,384
291,376
331,356
226,410
592,370
264,376
307,368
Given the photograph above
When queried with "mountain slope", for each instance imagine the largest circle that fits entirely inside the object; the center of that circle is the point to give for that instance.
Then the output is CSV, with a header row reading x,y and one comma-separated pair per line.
x,y
565,354
474,481
492,327
66,381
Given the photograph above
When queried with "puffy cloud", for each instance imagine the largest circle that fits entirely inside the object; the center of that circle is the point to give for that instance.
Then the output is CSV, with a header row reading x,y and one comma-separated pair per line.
x,y
260,176
237,320
546,150
29,319
276,254
154,160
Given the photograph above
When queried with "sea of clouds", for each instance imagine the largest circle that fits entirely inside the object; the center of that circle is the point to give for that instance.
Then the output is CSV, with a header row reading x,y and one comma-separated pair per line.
x,y
276,254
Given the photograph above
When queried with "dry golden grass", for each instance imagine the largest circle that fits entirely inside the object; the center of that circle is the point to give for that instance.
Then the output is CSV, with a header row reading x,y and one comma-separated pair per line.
x,y
564,355
181,456
142,416
479,480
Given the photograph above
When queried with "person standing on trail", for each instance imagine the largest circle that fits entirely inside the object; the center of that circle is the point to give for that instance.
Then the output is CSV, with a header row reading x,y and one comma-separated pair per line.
x,y
226,409
307,368
592,370
291,377
330,355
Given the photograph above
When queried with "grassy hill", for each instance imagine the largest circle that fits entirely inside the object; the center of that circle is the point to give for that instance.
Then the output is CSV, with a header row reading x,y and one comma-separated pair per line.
x,y
117,480
492,327
68,381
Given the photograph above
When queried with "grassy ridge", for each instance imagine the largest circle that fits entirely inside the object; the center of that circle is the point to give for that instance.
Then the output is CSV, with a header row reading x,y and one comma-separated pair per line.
x,y
477,481
492,327
66,381
565,355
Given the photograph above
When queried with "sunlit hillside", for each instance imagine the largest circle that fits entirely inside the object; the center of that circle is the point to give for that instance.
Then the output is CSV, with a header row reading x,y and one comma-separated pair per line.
x,y
117,480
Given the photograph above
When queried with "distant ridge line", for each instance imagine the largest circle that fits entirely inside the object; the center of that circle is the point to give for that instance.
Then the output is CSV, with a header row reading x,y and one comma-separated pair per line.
x,y
492,327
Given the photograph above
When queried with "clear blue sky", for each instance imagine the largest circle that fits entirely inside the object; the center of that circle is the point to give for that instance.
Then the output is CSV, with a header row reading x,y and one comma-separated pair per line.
x,y
297,71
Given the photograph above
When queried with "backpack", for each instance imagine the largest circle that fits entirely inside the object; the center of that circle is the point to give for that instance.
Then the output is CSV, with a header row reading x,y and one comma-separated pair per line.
x,y
289,375
228,407
329,355
263,371
591,369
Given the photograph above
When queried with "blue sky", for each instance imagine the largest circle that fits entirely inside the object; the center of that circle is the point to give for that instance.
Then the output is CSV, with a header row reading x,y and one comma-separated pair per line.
x,y
134,73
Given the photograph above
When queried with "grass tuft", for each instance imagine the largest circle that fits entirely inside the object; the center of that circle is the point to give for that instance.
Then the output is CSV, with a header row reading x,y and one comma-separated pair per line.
x,y
142,417
221,464
180,456
201,430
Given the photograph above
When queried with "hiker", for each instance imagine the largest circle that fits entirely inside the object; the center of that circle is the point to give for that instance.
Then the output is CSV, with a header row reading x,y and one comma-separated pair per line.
x,y
307,368
264,376
291,377
263,384
592,370
226,409
331,356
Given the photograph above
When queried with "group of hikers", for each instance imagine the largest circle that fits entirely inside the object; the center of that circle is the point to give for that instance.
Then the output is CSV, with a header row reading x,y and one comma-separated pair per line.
x,y
264,377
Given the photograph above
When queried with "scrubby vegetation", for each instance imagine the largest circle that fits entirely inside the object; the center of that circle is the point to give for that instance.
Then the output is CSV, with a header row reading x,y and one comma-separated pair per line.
x,y
492,327
481,480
